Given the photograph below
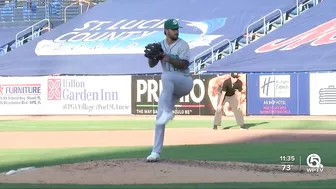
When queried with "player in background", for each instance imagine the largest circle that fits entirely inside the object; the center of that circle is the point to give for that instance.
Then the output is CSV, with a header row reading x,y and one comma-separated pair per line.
x,y
231,93
176,81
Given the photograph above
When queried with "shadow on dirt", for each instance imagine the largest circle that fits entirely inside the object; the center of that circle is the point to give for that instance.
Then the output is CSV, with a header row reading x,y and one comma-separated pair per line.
x,y
248,125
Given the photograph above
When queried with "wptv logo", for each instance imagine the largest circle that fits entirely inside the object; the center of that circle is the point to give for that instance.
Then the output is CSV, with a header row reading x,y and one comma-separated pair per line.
x,y
314,163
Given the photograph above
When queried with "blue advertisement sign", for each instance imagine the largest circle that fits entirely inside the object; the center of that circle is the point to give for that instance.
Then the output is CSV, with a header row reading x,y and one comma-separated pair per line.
x,y
278,94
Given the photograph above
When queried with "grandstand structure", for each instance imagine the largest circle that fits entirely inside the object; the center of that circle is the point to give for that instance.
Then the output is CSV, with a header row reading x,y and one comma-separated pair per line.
x,y
254,31
303,45
23,21
284,51
30,20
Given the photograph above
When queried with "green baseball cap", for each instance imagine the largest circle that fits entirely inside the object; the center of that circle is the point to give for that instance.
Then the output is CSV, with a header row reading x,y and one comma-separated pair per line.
x,y
171,24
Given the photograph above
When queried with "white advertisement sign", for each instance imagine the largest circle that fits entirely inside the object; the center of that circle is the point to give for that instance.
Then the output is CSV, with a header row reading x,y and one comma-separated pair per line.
x,y
274,86
323,93
66,95
21,95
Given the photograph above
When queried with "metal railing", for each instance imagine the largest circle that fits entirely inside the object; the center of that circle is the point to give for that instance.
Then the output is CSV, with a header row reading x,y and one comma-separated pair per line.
x,y
302,6
297,7
66,8
264,20
265,25
80,3
305,5
32,30
211,50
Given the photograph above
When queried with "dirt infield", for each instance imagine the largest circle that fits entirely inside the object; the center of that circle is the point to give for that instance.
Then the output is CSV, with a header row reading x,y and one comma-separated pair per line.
x,y
136,171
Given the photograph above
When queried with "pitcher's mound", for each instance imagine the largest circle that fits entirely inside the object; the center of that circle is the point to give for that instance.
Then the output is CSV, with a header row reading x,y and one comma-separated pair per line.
x,y
137,171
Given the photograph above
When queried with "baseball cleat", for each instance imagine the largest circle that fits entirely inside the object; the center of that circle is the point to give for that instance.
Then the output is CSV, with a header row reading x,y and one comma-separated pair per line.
x,y
215,127
243,127
164,118
153,157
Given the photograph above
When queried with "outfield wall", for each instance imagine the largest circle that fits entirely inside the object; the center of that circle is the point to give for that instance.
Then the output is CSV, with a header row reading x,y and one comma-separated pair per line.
x,y
263,94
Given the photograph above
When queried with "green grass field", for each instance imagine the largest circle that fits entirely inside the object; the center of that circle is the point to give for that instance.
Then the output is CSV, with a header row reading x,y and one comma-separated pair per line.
x,y
254,153
19,125
281,185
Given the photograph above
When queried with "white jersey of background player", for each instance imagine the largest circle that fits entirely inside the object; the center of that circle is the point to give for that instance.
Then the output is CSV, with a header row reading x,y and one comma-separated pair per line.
x,y
176,81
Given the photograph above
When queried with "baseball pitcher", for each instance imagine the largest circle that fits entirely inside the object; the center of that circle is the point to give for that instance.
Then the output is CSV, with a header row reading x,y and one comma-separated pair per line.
x,y
173,53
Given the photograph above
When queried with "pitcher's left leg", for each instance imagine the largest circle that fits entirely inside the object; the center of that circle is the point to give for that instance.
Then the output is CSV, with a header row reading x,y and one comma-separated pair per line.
x,y
166,99
182,86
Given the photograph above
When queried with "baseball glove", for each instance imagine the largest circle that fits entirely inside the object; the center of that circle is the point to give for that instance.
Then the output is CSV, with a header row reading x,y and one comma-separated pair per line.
x,y
154,51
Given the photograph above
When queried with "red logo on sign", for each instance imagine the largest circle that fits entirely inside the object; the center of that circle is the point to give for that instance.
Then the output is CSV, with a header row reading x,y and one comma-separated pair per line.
x,y
321,35
54,89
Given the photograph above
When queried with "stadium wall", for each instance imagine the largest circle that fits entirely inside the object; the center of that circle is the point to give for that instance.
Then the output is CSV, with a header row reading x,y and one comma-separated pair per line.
x,y
263,94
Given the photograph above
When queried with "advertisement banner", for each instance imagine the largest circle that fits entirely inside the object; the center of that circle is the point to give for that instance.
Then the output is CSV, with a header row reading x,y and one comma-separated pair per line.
x,y
323,93
278,94
100,95
65,95
21,95
202,99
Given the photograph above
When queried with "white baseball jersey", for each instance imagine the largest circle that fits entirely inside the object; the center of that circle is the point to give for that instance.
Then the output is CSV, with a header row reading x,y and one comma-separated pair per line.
x,y
178,50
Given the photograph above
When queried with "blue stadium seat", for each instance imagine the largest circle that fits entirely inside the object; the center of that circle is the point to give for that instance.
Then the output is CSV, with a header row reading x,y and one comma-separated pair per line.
x,y
56,7
29,13
7,12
